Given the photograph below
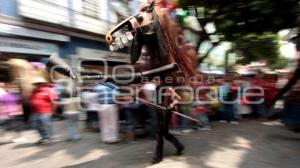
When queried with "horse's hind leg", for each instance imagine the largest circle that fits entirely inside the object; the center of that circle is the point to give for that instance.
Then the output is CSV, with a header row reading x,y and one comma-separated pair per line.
x,y
169,136
159,140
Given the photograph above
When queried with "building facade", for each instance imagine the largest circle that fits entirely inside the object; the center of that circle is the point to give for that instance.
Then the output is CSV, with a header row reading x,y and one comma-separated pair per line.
x,y
34,29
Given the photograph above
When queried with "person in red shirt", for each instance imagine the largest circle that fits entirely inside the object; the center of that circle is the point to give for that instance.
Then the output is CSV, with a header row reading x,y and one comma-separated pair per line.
x,y
270,91
200,113
42,107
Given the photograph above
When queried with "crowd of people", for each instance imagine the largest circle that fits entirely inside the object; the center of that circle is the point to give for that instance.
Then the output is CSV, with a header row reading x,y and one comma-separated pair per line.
x,y
227,99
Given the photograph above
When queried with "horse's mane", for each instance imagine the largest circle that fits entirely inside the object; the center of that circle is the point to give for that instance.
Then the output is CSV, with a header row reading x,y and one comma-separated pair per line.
x,y
172,45
157,41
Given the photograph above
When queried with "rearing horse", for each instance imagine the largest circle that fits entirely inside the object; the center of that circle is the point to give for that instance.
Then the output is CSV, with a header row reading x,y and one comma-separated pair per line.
x,y
151,29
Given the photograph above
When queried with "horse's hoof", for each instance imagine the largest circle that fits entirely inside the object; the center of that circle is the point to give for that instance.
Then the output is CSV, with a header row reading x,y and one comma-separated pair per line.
x,y
179,151
156,160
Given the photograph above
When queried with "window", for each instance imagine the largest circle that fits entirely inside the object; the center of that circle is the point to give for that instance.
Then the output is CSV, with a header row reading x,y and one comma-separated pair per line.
x,y
90,8
63,3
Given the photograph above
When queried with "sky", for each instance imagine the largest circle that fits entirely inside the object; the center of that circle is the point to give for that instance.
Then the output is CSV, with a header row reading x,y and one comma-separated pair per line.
x,y
286,49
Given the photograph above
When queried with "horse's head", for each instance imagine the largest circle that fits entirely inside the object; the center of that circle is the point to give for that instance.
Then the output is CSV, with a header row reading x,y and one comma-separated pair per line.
x,y
152,34
133,32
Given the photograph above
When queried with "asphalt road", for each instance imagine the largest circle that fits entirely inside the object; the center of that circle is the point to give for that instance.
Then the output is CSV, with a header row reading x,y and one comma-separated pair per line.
x,y
250,144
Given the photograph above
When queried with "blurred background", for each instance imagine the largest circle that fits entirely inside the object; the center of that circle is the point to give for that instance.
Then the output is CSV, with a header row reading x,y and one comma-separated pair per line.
x,y
238,44
239,35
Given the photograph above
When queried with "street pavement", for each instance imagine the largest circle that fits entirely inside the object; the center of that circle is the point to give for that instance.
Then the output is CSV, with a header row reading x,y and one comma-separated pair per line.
x,y
251,144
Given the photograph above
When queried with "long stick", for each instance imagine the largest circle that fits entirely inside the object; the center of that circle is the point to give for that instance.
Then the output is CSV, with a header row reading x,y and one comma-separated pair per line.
x,y
164,108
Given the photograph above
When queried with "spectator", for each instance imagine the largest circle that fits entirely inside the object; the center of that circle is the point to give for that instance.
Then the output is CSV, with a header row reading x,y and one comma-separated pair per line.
x,y
226,98
3,115
90,102
69,101
270,92
42,109
258,108
108,112
243,107
12,110
130,110
149,93
200,113
185,109
58,88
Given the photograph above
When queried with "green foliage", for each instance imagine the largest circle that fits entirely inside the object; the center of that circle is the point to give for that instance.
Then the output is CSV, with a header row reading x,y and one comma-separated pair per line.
x,y
262,47
251,25
280,63
235,18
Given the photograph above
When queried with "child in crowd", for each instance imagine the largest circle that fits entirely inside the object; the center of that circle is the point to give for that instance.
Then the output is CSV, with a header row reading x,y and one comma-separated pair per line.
x,y
185,108
200,112
69,101
227,97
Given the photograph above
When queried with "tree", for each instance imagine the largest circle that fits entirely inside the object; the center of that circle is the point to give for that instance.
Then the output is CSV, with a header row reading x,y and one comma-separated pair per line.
x,y
263,47
235,18
251,25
